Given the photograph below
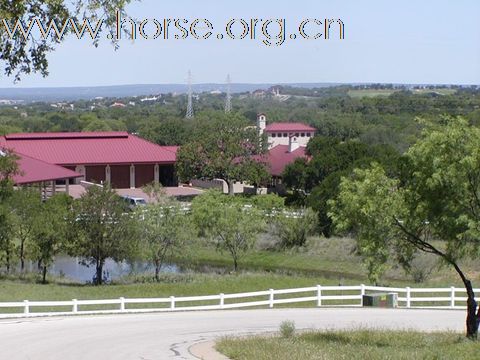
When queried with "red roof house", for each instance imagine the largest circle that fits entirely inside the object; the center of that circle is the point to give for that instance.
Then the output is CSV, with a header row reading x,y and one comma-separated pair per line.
x,y
288,127
123,159
279,157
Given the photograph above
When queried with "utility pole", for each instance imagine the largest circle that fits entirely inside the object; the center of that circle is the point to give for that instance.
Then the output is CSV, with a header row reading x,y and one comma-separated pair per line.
x,y
228,101
189,114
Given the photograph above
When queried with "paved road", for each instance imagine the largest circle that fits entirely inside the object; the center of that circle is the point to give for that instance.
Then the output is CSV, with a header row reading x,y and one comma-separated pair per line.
x,y
169,335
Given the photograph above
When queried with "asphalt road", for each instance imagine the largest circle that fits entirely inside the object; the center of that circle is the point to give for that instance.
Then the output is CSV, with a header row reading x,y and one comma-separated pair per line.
x,y
169,335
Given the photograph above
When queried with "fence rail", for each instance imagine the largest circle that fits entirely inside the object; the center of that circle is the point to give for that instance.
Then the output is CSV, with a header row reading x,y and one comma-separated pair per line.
x,y
320,296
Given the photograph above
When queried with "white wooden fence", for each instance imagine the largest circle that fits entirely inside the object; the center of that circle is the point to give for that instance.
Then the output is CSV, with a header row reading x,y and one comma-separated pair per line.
x,y
327,296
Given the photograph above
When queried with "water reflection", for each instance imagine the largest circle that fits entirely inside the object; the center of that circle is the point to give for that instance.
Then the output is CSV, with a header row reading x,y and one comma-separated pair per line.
x,y
73,269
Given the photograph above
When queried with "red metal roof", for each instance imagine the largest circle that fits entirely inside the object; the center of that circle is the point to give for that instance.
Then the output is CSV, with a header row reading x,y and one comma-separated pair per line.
x,y
288,127
279,157
34,171
89,148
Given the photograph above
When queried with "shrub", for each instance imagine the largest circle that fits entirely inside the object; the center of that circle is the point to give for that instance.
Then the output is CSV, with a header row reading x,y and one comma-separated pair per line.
x,y
287,329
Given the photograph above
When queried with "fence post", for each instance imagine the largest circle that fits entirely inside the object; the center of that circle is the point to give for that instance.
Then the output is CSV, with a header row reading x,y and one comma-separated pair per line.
x,y
75,306
222,300
26,307
271,299
362,292
408,296
122,304
452,297
319,295
172,302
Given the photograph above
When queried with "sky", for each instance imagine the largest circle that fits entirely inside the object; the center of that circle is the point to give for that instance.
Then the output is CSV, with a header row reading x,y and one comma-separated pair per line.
x,y
387,41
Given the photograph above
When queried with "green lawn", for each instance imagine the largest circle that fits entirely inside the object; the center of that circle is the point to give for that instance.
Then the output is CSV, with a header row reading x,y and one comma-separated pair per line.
x,y
370,93
387,92
358,344
176,285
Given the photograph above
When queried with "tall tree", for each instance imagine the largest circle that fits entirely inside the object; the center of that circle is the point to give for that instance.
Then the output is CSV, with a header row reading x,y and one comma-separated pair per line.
x,y
433,207
225,147
165,228
8,168
26,206
102,229
231,225
50,231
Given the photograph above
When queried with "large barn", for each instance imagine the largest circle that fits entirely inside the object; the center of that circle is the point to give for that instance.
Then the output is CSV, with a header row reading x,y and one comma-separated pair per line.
x,y
121,159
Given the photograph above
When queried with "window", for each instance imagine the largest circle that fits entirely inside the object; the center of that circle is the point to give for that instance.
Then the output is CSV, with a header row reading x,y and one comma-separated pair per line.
x,y
285,135
297,135
302,134
308,135
274,135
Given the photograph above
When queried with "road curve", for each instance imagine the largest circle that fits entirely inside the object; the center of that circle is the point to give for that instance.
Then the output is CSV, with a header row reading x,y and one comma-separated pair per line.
x,y
169,335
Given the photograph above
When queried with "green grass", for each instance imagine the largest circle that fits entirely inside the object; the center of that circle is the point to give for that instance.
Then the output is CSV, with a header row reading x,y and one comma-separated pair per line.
x,y
387,92
332,259
358,344
370,93
176,285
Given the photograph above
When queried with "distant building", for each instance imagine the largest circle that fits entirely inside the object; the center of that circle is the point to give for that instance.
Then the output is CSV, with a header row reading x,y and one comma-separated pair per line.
x,y
118,158
280,133
286,143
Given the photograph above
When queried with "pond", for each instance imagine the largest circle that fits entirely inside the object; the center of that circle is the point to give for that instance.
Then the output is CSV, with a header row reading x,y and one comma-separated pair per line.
x,y
72,268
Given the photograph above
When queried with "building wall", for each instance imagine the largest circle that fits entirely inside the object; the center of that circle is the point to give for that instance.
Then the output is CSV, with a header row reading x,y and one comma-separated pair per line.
x,y
144,174
167,175
282,138
95,174
120,176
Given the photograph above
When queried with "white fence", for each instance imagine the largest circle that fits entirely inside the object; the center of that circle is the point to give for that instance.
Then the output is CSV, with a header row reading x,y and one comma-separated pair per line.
x,y
328,296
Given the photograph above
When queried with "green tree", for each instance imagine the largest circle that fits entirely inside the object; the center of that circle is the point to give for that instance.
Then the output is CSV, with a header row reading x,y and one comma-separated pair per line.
x,y
228,222
165,228
8,169
26,206
50,231
102,229
225,147
433,207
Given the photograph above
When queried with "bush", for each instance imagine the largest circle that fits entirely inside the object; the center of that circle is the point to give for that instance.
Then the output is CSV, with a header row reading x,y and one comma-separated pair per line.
x,y
287,329
294,229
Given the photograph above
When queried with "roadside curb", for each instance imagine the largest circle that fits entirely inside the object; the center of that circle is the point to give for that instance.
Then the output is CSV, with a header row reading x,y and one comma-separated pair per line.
x,y
206,351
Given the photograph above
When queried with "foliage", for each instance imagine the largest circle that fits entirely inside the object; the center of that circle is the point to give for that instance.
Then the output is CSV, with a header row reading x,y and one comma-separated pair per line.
x,y
22,55
294,227
224,148
26,206
331,159
287,329
232,225
435,198
101,229
49,231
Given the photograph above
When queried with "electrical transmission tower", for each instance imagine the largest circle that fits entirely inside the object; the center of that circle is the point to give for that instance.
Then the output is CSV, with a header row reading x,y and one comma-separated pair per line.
x,y
189,114
228,102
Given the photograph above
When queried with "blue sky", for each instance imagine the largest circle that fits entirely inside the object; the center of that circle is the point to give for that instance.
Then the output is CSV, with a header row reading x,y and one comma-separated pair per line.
x,y
401,41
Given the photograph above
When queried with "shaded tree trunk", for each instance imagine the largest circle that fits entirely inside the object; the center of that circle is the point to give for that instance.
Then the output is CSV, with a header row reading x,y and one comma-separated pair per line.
x,y
158,265
44,274
231,190
473,314
98,272
22,255
7,254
